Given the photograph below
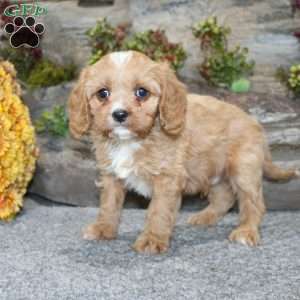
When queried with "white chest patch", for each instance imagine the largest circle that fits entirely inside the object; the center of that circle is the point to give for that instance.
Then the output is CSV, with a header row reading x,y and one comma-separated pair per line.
x,y
121,57
215,180
122,166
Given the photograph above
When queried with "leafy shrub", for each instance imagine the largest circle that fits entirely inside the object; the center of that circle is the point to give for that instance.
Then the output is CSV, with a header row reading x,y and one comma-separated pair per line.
x,y
221,66
47,73
105,38
55,122
155,44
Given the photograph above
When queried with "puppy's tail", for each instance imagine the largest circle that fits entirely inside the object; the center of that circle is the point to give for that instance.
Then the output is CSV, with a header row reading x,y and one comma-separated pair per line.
x,y
275,173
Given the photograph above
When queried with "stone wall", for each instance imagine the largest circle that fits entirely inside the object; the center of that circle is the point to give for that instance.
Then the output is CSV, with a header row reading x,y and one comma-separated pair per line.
x,y
66,169
266,27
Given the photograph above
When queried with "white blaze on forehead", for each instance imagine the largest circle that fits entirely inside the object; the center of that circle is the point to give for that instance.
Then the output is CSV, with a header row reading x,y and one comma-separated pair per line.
x,y
116,106
121,57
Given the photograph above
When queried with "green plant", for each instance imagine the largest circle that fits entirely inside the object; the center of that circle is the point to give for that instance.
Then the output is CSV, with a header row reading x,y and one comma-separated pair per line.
x,y
35,70
221,66
240,86
290,78
211,35
47,73
55,122
21,59
104,38
155,44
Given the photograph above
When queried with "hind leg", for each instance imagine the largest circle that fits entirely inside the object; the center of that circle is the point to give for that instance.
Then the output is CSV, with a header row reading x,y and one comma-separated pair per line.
x,y
246,180
220,199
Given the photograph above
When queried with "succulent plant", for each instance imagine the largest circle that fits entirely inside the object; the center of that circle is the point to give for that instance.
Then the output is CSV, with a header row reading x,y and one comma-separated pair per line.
x,y
293,82
18,150
211,35
105,38
290,77
155,44
221,66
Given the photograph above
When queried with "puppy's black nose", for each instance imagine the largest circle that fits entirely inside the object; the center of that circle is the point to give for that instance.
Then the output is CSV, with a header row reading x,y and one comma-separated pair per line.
x,y
120,115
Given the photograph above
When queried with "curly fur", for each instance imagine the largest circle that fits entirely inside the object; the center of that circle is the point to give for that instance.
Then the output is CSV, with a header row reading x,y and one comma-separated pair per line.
x,y
172,143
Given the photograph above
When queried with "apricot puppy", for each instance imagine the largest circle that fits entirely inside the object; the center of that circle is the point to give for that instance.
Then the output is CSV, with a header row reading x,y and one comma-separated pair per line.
x,y
152,137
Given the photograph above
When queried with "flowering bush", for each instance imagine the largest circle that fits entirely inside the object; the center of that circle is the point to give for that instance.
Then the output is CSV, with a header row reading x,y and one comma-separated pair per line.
x,y
105,38
18,149
221,66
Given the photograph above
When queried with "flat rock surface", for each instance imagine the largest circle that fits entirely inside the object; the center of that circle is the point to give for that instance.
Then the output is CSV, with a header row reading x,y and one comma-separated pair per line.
x,y
43,257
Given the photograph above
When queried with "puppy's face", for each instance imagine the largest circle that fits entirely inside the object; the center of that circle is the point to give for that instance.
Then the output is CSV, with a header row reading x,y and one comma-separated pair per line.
x,y
123,94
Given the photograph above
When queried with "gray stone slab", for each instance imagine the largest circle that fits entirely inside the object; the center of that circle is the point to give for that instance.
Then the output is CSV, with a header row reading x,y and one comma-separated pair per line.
x,y
43,257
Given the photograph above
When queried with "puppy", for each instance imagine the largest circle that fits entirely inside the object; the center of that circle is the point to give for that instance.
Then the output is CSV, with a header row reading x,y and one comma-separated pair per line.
x,y
152,137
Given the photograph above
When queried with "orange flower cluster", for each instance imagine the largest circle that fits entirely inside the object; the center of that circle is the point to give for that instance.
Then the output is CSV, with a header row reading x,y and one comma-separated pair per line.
x,y
18,151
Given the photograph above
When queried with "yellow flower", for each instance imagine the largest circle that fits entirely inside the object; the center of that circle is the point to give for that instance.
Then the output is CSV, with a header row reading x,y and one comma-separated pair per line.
x,y
18,151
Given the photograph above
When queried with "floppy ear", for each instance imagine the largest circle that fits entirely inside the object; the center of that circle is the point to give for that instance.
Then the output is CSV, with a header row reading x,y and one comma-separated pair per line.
x,y
172,106
79,115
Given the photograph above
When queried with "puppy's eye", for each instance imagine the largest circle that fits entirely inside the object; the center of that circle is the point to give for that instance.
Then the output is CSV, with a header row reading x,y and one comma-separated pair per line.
x,y
103,94
141,93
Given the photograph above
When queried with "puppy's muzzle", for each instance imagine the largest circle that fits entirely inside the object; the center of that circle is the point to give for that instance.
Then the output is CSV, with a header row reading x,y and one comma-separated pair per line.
x,y
120,115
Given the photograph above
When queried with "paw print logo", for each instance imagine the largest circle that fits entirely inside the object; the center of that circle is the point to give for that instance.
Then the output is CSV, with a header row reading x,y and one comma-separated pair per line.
x,y
24,32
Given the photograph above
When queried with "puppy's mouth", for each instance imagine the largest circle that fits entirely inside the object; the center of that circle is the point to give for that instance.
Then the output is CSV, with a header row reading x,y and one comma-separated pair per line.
x,y
122,132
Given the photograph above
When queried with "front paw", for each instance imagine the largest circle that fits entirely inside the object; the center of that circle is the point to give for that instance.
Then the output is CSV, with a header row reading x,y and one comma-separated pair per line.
x,y
151,243
99,231
246,236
